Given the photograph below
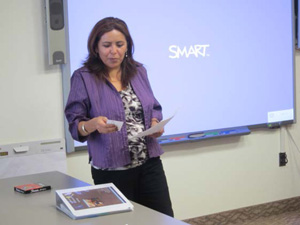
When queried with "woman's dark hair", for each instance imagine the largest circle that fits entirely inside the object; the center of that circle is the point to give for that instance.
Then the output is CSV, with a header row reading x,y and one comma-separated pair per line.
x,y
93,61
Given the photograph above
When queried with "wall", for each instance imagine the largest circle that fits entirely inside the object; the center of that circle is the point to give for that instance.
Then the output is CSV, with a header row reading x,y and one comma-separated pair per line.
x,y
204,177
30,91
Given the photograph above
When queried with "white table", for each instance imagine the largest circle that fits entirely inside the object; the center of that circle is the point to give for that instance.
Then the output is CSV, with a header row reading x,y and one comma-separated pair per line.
x,y
39,208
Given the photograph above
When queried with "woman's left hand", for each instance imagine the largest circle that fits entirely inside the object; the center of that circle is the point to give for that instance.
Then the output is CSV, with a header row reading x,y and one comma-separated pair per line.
x,y
157,134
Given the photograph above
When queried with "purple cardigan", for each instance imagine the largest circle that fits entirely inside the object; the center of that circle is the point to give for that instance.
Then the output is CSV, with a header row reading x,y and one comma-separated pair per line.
x,y
91,97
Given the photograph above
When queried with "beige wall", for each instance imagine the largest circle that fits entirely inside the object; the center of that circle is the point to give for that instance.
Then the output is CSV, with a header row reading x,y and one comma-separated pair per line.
x,y
204,177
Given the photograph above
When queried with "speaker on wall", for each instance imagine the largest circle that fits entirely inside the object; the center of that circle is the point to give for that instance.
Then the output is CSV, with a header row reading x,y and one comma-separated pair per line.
x,y
297,23
56,31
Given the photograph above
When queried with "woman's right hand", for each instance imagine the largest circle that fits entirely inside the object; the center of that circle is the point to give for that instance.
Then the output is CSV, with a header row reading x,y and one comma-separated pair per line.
x,y
98,123
101,125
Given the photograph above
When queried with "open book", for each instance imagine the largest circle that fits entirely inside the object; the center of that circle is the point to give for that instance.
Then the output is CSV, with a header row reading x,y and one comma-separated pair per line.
x,y
92,201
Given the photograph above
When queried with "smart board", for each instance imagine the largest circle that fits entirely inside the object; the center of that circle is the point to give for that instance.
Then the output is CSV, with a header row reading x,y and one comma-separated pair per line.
x,y
222,64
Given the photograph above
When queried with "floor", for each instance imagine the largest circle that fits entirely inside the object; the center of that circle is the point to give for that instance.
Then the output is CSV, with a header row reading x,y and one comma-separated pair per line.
x,y
289,218
283,212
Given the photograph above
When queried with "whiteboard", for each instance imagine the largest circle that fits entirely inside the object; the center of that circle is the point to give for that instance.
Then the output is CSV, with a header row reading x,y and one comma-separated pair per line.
x,y
222,64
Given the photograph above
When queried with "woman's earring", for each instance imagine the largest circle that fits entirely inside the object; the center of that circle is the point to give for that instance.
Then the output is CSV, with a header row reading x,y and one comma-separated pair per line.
x,y
126,54
96,54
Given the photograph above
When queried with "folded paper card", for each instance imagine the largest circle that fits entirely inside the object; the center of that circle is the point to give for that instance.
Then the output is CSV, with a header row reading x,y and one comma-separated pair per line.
x,y
119,124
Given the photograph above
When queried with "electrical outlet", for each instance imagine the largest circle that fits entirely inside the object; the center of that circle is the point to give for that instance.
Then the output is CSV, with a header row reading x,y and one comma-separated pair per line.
x,y
282,159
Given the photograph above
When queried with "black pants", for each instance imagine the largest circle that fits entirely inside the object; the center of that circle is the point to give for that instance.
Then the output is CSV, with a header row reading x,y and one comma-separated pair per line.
x,y
145,184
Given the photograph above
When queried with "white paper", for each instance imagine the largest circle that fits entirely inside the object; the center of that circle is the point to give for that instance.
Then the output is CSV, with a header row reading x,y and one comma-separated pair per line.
x,y
154,129
119,124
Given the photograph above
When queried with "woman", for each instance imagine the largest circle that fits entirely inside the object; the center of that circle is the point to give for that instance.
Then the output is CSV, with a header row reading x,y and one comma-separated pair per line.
x,y
113,86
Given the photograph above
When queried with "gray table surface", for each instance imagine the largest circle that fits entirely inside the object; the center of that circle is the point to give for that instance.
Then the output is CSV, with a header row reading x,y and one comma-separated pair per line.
x,y
39,208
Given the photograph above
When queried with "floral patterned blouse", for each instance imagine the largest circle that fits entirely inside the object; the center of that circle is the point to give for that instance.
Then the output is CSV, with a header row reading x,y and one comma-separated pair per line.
x,y
134,124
